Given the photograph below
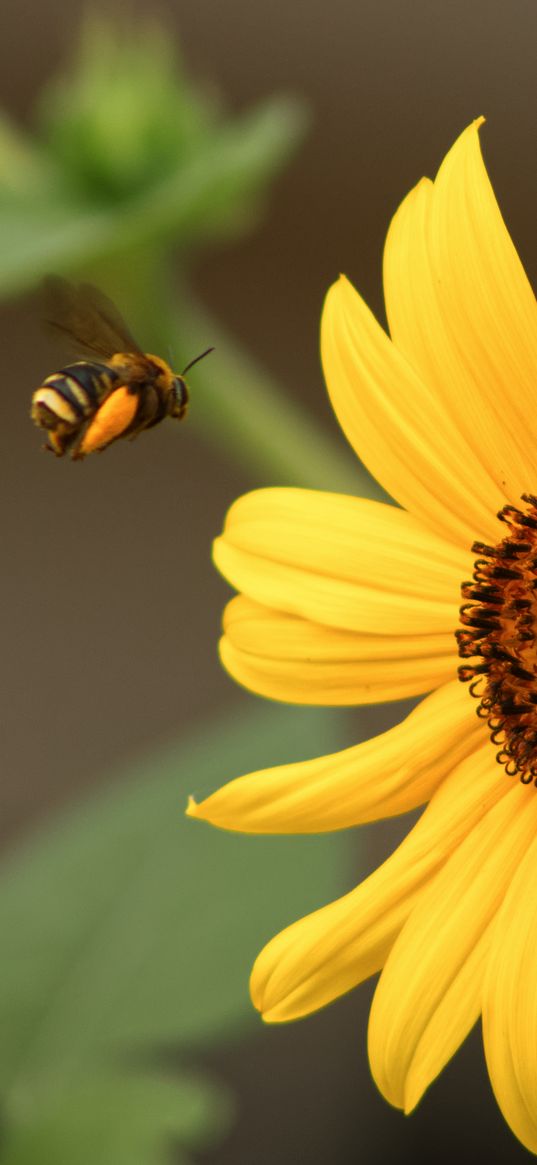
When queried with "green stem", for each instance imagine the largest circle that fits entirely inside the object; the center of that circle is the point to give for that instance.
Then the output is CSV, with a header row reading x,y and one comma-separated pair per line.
x,y
235,403
241,408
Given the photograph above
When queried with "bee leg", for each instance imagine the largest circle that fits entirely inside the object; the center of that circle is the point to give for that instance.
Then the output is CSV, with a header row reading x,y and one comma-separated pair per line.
x,y
151,411
56,443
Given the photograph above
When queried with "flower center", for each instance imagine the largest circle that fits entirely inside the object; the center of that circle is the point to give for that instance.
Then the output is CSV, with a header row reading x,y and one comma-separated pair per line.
x,y
499,638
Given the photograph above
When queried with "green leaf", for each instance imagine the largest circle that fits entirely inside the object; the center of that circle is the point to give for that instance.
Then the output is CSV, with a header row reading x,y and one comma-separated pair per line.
x,y
110,1117
130,154
129,925
215,192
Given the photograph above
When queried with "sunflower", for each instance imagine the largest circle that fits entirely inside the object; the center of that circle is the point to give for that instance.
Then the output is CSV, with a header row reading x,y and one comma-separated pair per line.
x,y
344,600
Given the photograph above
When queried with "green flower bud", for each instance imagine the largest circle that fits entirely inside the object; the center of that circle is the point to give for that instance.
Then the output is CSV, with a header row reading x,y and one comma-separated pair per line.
x,y
124,114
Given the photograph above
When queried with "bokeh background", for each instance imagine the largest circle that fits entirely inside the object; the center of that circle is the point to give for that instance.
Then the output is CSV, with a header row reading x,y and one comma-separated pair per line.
x,y
110,605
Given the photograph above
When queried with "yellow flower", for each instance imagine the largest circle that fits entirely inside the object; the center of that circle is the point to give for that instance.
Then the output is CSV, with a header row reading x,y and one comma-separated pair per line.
x,y
349,601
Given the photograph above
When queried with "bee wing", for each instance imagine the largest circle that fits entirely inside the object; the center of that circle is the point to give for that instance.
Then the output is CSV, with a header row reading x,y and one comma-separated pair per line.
x,y
88,317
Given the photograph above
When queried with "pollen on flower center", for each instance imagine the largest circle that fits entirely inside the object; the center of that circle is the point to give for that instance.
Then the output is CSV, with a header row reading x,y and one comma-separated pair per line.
x,y
499,637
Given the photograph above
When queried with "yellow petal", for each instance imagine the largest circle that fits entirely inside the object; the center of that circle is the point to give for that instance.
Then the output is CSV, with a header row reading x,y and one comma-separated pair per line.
x,y
287,658
510,1003
461,309
400,428
454,1017
341,561
442,934
389,774
332,950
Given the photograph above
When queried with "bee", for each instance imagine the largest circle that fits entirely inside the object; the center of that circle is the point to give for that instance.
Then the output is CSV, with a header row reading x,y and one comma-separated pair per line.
x,y
89,404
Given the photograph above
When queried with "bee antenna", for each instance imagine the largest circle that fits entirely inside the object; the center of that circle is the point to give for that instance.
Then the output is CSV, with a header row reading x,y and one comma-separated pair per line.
x,y
195,360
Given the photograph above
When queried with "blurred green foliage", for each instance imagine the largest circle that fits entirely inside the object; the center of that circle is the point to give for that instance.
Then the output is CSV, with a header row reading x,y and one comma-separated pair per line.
x,y
128,154
130,929
113,1118
130,168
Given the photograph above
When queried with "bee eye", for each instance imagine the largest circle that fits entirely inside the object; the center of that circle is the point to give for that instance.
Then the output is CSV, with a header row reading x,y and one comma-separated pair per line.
x,y
178,398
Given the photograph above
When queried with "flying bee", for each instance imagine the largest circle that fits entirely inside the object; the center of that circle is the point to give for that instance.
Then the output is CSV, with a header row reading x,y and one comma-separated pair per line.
x,y
87,405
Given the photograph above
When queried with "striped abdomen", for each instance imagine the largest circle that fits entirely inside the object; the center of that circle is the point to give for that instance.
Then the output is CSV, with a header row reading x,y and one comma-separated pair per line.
x,y
72,395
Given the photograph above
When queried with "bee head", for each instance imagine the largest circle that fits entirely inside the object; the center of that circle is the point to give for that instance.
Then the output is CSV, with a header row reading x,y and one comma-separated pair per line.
x,y
178,398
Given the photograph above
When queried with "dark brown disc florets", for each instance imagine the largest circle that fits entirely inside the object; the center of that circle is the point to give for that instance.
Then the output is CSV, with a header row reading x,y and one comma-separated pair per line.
x,y
498,639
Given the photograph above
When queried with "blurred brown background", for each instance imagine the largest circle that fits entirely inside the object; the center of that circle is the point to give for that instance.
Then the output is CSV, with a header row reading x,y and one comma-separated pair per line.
x,y
390,84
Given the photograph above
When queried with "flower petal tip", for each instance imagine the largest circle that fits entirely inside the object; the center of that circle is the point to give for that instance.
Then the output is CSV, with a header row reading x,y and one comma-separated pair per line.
x,y
272,1015
336,288
413,1095
192,808
471,135
269,1010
